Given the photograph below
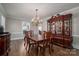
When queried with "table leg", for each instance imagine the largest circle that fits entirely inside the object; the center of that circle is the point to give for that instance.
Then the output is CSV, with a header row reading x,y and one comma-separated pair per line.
x,y
37,49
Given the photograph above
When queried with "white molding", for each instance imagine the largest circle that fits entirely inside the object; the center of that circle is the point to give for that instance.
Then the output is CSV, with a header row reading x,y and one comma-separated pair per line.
x,y
17,38
75,35
16,32
17,35
16,18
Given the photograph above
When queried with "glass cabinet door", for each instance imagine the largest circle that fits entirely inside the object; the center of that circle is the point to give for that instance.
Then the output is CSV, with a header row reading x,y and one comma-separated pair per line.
x,y
66,27
59,27
48,26
53,27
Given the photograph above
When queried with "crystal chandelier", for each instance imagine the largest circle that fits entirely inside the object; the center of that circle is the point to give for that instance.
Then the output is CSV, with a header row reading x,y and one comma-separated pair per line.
x,y
36,20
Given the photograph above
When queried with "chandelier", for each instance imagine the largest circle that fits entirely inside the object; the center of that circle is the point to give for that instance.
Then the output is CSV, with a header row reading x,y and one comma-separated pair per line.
x,y
36,20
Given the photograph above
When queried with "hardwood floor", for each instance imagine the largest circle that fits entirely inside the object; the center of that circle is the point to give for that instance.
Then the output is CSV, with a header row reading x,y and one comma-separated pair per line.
x,y
17,49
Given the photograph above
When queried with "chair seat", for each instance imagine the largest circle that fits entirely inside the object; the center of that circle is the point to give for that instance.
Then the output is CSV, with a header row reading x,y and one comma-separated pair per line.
x,y
44,45
32,42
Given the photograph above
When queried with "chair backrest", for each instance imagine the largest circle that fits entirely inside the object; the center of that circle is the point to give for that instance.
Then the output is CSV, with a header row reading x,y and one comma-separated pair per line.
x,y
26,38
29,33
47,34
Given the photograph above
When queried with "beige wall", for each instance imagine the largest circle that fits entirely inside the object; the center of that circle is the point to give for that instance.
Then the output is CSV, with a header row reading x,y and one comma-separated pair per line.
x,y
14,26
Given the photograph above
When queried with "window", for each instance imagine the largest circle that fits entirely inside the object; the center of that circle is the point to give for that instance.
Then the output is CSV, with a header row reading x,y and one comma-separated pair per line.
x,y
40,28
25,26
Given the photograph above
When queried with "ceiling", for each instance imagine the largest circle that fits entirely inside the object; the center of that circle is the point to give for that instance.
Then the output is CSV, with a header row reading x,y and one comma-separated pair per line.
x,y
27,10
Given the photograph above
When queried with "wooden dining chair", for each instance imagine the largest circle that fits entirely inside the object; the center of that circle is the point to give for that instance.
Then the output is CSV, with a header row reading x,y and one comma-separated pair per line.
x,y
43,45
46,43
50,36
28,43
27,34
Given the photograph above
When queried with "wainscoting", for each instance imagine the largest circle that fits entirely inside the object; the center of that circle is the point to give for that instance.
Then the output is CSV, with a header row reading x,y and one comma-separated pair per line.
x,y
17,35
75,41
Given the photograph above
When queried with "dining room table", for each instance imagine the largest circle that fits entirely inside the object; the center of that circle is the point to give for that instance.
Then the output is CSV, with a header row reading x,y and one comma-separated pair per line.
x,y
38,39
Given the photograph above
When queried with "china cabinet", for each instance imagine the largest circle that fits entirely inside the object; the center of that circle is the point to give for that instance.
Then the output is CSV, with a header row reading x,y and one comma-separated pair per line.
x,y
4,43
61,28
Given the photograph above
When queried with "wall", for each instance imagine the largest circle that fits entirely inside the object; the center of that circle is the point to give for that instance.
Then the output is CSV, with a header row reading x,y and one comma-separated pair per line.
x,y
45,23
0,20
2,16
14,26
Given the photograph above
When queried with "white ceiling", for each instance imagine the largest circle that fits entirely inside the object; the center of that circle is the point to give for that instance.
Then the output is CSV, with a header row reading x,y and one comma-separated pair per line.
x,y
27,10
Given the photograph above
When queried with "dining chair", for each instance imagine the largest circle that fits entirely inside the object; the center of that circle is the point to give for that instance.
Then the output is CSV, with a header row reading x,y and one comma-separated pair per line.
x,y
28,43
50,36
43,45
27,34
46,43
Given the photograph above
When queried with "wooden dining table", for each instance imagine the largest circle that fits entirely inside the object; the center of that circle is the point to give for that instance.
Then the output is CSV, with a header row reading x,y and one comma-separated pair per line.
x,y
37,39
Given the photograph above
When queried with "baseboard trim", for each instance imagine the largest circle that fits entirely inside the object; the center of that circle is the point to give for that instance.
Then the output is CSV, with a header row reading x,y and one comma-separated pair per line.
x,y
75,46
17,38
